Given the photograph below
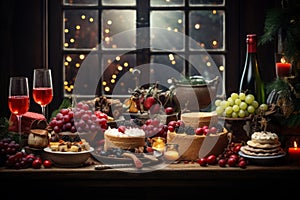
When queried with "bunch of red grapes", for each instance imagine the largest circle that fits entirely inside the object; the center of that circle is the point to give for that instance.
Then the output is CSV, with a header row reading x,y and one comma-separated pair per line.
x,y
79,119
229,157
12,157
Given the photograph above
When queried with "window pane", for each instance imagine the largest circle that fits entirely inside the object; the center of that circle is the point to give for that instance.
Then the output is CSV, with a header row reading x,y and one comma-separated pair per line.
x,y
164,3
80,29
81,2
167,20
165,67
118,3
117,75
206,27
72,64
118,21
206,2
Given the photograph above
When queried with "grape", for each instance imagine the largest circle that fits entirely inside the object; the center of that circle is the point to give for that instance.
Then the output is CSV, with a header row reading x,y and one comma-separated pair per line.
x,y
224,104
219,110
217,102
242,113
243,105
249,99
235,108
230,101
263,107
255,104
234,115
228,110
251,109
242,96
234,96
238,102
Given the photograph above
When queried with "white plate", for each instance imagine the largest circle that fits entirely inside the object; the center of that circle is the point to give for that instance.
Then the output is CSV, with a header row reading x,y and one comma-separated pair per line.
x,y
264,160
47,149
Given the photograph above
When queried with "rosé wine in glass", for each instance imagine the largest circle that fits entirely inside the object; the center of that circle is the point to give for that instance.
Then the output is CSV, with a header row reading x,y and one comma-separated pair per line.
x,y
42,88
18,98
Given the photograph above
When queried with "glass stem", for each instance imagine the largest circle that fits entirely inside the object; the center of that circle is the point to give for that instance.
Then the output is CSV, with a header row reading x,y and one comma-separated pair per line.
x,y
44,110
19,117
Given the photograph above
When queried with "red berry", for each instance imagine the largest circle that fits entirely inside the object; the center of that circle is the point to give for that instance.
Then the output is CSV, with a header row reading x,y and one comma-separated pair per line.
x,y
122,129
202,162
169,110
171,128
212,159
37,163
222,162
47,164
199,131
232,162
242,164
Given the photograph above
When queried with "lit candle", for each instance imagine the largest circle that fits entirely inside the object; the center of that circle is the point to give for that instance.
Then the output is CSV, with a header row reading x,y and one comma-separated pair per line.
x,y
294,152
283,69
158,143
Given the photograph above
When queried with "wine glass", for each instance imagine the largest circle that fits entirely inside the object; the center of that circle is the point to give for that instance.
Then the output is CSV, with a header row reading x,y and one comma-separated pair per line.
x,y
42,87
18,98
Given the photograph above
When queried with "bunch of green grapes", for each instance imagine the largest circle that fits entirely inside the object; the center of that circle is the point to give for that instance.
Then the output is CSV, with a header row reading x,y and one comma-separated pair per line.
x,y
238,105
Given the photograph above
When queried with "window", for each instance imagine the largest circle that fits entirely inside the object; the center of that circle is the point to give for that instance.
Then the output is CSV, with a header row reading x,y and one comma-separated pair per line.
x,y
142,41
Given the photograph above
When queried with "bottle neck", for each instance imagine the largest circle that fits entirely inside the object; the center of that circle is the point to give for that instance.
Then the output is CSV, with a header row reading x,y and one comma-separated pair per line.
x,y
251,48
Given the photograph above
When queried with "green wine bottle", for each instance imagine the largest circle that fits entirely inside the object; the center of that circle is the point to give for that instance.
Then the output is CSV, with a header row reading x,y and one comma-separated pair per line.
x,y
251,81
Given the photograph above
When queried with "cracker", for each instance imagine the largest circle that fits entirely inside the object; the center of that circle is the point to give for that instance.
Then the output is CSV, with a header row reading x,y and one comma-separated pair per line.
x,y
280,152
264,146
261,150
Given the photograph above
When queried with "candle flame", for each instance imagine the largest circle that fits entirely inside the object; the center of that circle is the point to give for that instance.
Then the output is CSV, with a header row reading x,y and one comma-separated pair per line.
x,y
295,144
283,60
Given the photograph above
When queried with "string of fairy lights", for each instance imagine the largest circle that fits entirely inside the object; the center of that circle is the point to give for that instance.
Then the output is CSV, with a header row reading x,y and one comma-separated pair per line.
x,y
81,32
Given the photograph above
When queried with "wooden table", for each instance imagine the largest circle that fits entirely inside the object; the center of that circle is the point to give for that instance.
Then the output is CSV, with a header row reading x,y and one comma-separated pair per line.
x,y
174,180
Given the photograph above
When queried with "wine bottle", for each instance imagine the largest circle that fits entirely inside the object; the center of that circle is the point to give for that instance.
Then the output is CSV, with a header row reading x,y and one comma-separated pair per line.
x,y
251,81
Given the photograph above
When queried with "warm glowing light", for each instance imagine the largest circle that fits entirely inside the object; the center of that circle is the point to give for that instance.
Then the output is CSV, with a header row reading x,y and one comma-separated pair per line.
x,y
171,57
106,30
112,80
214,12
83,16
72,40
66,63
114,46
176,30
81,57
169,28
197,26
118,58
130,69
66,30
68,58
78,27
202,45
179,21
215,43
208,64
109,22
77,65
66,44
109,61
91,19
107,89
173,62
114,76
120,68
66,83
107,39
295,144
221,68
104,83
283,60
126,64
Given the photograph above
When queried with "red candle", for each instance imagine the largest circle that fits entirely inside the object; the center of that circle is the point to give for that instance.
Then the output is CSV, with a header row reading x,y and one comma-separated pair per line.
x,y
294,152
283,69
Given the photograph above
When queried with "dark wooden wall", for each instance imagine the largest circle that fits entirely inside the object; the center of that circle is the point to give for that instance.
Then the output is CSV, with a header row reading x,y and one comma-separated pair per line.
x,y
22,46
